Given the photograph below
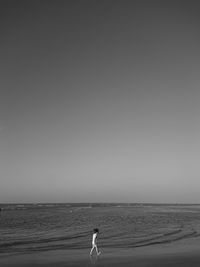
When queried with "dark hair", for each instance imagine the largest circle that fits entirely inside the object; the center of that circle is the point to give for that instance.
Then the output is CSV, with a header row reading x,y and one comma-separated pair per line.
x,y
95,230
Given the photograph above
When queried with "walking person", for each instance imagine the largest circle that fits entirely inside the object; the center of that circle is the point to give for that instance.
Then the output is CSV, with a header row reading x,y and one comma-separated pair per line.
x,y
94,242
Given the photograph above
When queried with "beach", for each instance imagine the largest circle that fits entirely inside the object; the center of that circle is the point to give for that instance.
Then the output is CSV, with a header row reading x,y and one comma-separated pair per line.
x,y
181,253
130,235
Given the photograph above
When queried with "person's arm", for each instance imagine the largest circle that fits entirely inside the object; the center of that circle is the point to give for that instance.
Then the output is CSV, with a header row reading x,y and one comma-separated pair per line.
x,y
95,237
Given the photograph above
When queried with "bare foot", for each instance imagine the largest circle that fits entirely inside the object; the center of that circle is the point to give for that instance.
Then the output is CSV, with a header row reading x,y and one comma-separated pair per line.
x,y
99,253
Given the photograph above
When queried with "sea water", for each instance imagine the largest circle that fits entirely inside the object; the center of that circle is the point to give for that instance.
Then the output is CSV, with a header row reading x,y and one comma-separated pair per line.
x,y
27,228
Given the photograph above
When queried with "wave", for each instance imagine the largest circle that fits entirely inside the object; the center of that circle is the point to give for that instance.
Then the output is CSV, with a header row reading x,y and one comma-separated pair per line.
x,y
176,238
79,242
41,241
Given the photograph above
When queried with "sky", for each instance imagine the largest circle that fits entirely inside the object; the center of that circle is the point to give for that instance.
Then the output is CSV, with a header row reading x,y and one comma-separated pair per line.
x,y
100,101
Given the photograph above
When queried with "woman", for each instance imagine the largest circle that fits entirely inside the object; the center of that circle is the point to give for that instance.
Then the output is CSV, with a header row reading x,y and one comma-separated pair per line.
x,y
94,241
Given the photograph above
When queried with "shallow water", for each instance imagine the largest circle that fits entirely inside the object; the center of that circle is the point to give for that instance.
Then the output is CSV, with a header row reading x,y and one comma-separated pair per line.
x,y
29,228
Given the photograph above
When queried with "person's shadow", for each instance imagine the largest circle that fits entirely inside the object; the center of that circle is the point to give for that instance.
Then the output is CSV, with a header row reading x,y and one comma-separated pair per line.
x,y
93,259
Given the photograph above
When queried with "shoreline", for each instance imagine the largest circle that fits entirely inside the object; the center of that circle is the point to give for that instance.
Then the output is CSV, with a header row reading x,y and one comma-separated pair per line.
x,y
180,253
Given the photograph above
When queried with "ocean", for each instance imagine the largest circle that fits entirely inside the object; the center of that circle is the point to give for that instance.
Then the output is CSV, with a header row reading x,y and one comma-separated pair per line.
x,y
27,228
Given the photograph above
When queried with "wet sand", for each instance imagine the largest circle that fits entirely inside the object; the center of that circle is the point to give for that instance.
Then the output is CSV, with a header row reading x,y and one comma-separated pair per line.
x,y
184,253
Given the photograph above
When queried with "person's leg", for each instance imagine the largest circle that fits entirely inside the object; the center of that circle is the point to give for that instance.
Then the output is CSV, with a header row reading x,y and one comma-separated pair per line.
x,y
98,252
91,250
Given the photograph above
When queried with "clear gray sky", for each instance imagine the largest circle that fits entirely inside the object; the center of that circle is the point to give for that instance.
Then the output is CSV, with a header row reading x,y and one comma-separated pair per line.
x,y
99,101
